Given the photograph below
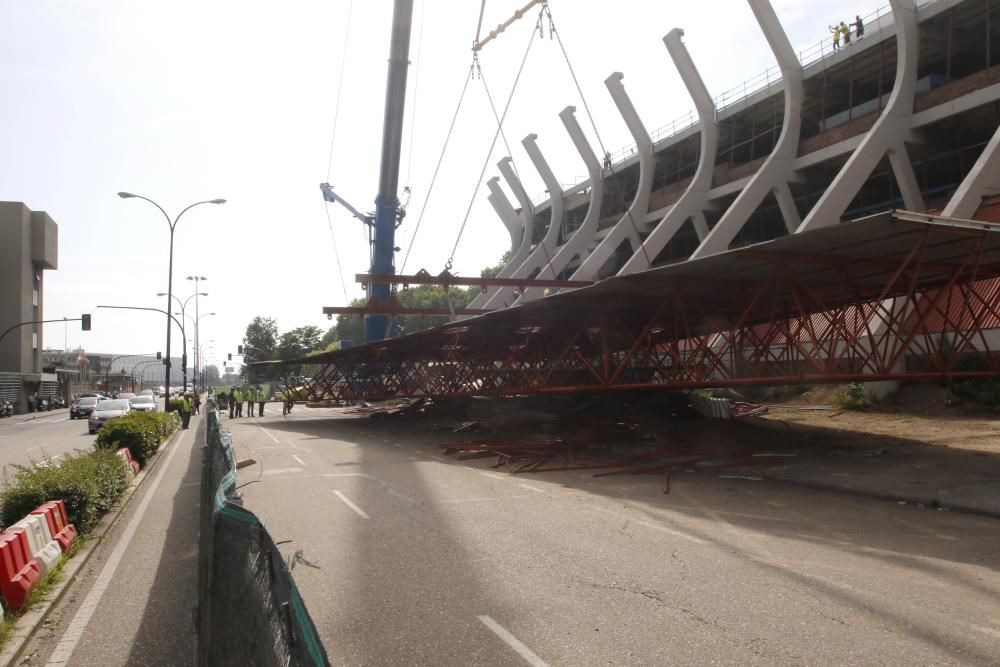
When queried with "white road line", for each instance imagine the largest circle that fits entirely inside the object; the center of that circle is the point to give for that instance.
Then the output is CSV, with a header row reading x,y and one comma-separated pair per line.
x,y
530,488
281,471
347,501
268,433
300,461
989,631
396,444
77,626
413,458
491,474
513,642
437,458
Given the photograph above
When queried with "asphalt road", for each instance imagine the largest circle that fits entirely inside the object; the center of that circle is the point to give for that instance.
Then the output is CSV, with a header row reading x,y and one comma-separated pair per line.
x,y
49,436
407,557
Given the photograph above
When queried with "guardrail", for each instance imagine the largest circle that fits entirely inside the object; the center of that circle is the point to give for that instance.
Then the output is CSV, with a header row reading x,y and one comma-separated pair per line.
x,y
249,610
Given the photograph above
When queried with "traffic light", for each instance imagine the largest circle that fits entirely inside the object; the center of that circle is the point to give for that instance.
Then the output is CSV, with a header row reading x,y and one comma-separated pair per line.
x,y
229,357
85,322
239,349
159,355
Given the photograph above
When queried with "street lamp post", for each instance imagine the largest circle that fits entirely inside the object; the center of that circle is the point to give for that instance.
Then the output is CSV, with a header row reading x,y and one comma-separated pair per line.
x,y
183,304
170,271
166,361
197,337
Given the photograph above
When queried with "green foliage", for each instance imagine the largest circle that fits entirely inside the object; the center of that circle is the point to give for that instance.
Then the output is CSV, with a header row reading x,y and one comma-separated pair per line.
x,y
89,483
141,432
983,392
852,397
299,342
259,342
210,374
492,271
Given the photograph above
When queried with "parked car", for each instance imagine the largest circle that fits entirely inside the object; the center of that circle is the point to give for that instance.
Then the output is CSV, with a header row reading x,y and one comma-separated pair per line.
x,y
125,395
83,406
147,392
105,410
143,403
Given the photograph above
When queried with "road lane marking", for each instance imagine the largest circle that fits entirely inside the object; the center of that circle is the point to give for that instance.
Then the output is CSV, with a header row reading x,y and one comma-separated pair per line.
x,y
529,656
74,632
396,444
437,458
268,433
281,471
347,501
413,458
300,461
530,488
491,474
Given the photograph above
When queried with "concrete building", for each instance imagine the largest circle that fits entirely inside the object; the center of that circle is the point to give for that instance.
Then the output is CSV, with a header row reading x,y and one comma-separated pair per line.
x,y
29,246
904,118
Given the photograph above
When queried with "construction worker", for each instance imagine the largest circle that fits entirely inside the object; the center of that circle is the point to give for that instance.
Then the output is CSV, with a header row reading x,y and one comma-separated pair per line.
x,y
186,406
835,29
251,399
260,401
846,33
231,400
607,160
238,397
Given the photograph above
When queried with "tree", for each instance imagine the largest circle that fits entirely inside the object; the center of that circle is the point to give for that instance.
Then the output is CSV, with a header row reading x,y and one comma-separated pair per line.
x,y
299,342
260,339
492,271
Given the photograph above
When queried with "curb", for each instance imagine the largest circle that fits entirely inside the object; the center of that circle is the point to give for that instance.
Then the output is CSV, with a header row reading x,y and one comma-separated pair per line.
x,y
932,503
29,624
32,416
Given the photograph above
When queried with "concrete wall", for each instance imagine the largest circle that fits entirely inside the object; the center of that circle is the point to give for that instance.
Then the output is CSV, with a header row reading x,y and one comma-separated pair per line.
x,y
28,247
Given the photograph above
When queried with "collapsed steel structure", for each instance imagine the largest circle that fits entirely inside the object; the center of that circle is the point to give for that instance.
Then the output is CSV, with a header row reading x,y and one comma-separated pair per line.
x,y
867,300
739,264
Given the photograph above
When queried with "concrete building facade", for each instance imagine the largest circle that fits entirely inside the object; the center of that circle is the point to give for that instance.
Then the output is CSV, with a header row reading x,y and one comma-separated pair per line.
x,y
29,246
904,118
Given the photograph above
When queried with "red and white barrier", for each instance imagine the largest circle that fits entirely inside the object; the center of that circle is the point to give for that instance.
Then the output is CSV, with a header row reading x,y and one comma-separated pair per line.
x,y
61,530
43,548
126,456
19,572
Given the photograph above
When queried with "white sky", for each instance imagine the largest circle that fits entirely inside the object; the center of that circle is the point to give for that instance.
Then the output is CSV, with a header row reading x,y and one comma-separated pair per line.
x,y
196,99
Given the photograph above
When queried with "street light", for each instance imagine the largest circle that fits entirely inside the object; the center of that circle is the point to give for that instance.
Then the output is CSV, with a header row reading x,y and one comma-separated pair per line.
x,y
170,271
167,360
197,338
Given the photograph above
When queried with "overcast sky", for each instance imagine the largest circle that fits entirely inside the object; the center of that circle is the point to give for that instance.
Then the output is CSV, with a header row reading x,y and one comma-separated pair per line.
x,y
188,100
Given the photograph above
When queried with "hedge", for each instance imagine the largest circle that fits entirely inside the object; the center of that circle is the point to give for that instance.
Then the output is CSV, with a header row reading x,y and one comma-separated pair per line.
x,y
141,432
89,483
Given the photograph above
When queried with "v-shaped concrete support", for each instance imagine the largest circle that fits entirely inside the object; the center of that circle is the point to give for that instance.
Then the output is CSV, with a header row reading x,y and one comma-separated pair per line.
x,y
887,135
692,203
543,252
629,224
583,236
779,167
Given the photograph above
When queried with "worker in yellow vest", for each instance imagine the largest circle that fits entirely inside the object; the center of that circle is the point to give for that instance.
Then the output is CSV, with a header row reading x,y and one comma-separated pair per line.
x,y
238,397
251,399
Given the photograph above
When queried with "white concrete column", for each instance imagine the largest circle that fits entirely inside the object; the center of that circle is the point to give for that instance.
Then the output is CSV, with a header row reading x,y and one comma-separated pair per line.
x,y
982,180
508,216
691,204
887,134
779,166
628,225
527,226
584,235
543,252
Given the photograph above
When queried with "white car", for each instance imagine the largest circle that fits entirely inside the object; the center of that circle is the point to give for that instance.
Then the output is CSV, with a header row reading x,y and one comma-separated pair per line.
x,y
105,410
143,403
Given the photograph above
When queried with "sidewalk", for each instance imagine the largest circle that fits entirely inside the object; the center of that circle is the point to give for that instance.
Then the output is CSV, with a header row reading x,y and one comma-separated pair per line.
x,y
31,416
132,604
